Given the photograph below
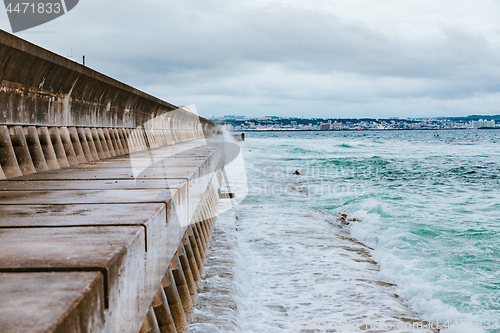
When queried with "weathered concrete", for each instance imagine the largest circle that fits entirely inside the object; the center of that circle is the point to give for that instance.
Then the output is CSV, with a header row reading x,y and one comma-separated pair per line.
x,y
48,215
61,302
84,197
71,202
8,158
174,302
150,324
197,172
163,313
43,88
159,236
117,252
113,185
67,206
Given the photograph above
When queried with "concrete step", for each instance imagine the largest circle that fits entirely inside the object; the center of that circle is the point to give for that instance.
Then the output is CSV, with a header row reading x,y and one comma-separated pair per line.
x,y
98,218
111,185
160,237
69,302
117,252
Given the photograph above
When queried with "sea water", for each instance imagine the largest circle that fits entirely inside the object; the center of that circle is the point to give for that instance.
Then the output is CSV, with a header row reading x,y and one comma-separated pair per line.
x,y
420,253
423,246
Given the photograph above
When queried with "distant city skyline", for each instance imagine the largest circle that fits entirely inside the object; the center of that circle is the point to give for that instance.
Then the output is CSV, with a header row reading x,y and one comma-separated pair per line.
x,y
275,123
359,58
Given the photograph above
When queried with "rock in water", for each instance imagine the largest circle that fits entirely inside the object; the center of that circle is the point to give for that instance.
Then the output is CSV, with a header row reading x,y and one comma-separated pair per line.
x,y
297,173
346,219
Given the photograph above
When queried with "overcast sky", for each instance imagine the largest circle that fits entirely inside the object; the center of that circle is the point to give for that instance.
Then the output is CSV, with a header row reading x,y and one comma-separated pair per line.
x,y
311,58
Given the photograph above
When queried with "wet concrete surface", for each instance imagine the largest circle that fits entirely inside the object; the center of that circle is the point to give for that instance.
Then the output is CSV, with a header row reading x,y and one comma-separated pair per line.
x,y
102,218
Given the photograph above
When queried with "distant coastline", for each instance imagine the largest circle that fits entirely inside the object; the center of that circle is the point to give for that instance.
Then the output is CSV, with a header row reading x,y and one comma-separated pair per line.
x,y
274,123
360,130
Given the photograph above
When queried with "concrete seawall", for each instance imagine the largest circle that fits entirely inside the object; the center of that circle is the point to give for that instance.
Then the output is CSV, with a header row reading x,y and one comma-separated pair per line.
x,y
107,200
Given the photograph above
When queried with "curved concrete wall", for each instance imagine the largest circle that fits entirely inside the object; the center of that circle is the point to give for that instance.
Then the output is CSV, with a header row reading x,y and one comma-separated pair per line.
x,y
55,113
39,87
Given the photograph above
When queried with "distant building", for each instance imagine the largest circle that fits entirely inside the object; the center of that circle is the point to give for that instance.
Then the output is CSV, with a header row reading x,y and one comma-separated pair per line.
x,y
293,123
483,123
324,127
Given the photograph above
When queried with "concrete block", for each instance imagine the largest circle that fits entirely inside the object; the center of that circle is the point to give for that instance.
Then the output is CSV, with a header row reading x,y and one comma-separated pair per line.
x,y
144,138
47,148
35,149
150,138
139,137
57,143
21,150
188,275
85,197
162,312
52,204
188,250
129,137
133,140
98,145
85,144
196,249
29,216
109,142
8,159
113,132
150,324
122,135
174,302
114,174
55,302
68,146
182,288
105,193
160,238
141,134
120,184
156,138
104,144
77,145
117,252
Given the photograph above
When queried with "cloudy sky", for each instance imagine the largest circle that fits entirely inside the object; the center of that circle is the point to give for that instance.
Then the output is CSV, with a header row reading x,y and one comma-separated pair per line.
x,y
311,58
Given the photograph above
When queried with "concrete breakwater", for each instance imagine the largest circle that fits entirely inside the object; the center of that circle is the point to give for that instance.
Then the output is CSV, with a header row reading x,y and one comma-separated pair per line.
x,y
107,200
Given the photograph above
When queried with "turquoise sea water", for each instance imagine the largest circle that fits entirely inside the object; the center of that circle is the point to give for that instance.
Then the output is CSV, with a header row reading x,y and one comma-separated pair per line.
x,y
426,246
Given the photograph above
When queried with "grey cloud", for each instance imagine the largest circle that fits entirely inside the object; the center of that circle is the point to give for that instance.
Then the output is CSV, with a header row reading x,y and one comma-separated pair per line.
x,y
274,58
